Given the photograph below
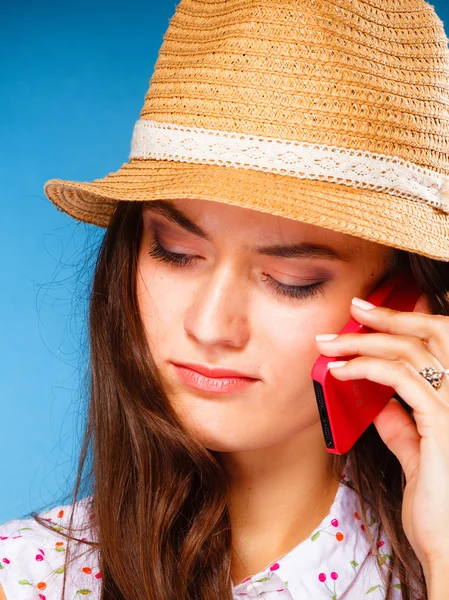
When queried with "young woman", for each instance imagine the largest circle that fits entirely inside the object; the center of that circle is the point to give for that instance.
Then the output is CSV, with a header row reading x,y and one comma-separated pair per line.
x,y
289,158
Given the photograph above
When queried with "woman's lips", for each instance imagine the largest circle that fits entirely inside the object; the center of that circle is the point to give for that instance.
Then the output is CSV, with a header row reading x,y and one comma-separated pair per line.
x,y
216,385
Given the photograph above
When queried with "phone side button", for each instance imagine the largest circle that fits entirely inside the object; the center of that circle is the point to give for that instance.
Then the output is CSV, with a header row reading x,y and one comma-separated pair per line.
x,y
324,417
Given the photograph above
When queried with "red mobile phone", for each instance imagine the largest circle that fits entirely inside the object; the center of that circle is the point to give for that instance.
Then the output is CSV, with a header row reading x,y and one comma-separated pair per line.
x,y
347,408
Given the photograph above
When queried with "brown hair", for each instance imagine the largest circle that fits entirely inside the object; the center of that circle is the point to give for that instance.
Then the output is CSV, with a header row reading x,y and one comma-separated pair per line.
x,y
159,498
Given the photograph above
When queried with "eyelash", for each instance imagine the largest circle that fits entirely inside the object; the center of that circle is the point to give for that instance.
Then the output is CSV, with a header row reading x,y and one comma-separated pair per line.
x,y
183,260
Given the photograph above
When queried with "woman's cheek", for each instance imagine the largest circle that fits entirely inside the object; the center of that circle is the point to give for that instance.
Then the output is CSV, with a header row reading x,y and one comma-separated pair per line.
x,y
153,298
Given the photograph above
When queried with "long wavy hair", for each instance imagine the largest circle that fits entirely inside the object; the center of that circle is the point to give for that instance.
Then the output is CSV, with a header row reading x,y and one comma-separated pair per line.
x,y
160,511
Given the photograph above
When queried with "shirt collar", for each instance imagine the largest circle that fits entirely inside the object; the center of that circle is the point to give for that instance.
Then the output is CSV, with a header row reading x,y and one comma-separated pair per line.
x,y
326,563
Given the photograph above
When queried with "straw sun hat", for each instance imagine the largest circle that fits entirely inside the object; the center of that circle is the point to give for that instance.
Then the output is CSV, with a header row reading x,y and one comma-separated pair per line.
x,y
331,112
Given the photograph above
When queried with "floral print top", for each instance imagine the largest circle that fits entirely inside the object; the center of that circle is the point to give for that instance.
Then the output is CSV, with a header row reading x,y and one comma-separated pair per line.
x,y
334,563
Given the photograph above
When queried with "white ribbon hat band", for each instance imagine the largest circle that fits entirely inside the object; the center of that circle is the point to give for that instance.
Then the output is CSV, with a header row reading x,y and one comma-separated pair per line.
x,y
361,169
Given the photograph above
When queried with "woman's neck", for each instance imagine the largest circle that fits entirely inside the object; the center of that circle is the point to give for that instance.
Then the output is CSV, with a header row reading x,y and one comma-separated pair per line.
x,y
278,496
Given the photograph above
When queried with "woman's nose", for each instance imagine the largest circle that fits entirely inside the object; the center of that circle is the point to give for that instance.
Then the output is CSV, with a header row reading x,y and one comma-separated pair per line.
x,y
218,311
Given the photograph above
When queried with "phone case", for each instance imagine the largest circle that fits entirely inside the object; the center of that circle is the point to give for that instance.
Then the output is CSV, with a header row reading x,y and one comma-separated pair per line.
x,y
347,408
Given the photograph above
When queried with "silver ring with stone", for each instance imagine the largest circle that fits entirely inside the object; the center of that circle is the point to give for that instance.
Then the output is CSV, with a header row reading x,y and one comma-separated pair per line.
x,y
433,376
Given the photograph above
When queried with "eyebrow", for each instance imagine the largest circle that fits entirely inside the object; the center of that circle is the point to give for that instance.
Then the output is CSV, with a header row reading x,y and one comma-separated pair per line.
x,y
298,250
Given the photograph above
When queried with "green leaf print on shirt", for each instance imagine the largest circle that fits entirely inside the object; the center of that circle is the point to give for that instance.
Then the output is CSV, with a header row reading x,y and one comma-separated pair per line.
x,y
374,588
380,587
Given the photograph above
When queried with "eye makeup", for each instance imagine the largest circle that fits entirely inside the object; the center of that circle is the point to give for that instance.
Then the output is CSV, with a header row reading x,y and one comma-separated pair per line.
x,y
178,260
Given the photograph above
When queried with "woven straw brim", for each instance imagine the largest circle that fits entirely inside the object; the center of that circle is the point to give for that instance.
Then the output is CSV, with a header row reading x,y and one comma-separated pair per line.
x,y
368,214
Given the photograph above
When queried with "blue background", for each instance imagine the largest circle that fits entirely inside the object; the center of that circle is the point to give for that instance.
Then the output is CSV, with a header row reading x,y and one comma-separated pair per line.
x,y
74,77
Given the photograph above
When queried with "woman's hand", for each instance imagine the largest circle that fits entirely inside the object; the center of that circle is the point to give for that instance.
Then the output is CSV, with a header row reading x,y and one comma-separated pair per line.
x,y
403,344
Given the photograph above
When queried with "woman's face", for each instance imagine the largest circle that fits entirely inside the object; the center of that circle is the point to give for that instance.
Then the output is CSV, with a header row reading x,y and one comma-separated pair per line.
x,y
240,301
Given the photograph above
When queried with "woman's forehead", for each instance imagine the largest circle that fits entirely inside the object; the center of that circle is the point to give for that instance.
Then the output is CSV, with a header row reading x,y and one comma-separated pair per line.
x,y
210,219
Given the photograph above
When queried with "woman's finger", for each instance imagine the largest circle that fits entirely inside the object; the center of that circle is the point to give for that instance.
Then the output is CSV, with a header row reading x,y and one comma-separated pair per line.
x,y
398,431
424,399
403,348
431,329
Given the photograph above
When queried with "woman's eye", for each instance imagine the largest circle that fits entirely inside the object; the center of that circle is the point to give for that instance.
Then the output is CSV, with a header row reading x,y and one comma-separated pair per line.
x,y
295,291
291,291
160,253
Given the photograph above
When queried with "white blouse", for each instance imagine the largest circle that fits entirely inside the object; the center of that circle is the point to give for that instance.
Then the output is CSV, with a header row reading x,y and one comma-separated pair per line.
x,y
334,563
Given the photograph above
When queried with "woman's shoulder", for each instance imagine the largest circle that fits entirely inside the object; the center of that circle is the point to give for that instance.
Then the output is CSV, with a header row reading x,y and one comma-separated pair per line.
x,y
32,556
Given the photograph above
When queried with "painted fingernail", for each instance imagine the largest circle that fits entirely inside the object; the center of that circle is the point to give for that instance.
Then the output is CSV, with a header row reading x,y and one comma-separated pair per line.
x,y
363,303
326,337
336,363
